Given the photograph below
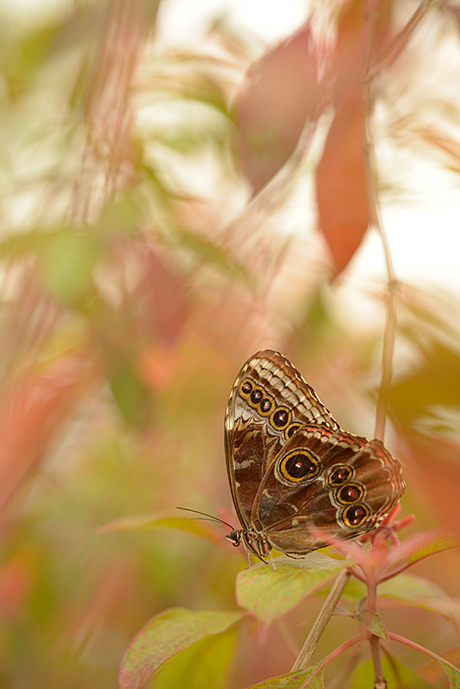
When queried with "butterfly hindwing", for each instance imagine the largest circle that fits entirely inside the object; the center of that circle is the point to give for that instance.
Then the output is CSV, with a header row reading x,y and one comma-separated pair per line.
x,y
321,481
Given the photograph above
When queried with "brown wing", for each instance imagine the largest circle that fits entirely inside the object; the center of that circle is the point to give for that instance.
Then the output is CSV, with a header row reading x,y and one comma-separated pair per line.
x,y
269,401
333,481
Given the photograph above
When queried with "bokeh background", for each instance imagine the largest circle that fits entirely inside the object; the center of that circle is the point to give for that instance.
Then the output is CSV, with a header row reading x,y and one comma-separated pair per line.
x,y
143,258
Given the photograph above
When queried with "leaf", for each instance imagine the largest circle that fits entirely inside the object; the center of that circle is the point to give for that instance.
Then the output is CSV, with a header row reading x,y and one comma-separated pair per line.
x,y
67,263
293,680
130,393
212,253
160,299
431,670
438,478
396,674
268,592
414,590
342,191
280,92
438,545
350,25
451,671
373,623
30,415
432,383
204,664
355,590
164,636
155,521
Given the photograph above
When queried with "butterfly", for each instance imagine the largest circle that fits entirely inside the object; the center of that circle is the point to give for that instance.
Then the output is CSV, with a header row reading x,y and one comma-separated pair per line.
x,y
297,479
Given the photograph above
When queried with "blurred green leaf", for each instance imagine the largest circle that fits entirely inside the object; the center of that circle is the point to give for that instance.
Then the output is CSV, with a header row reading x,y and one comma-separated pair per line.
x,y
17,246
450,670
433,383
210,252
67,263
132,396
204,664
121,216
355,590
414,590
143,523
397,675
268,592
439,544
22,58
164,636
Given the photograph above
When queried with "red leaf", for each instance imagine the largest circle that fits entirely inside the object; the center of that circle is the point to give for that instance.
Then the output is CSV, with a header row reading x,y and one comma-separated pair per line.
x,y
345,202
161,299
342,181
29,418
280,92
354,21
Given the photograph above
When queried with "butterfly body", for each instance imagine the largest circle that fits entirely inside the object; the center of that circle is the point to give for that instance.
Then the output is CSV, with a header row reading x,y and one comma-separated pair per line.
x,y
294,473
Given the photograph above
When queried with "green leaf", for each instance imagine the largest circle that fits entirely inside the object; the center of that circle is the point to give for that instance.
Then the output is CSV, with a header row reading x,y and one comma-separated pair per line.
x,y
131,394
155,521
414,590
164,636
355,590
67,263
269,591
121,216
372,623
433,383
204,664
438,545
205,249
293,680
452,672
396,674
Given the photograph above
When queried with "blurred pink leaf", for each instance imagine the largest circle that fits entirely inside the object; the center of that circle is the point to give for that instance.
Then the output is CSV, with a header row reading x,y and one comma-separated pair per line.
x,y
437,477
160,298
164,636
280,92
30,415
16,582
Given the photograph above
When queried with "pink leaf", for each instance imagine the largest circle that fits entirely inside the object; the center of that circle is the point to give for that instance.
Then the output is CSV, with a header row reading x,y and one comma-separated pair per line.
x,y
279,93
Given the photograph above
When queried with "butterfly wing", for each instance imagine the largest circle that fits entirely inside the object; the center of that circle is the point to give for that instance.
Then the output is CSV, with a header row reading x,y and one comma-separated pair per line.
x,y
268,403
325,481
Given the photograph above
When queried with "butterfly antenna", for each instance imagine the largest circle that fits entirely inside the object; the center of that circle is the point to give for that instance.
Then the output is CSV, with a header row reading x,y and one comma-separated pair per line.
x,y
205,517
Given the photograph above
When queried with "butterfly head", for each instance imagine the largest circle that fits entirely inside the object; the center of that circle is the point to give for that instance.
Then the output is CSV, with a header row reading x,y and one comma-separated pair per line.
x,y
235,537
253,542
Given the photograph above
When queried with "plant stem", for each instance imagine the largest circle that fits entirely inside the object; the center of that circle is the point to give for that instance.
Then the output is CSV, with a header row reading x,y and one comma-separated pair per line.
x,y
398,44
321,621
379,682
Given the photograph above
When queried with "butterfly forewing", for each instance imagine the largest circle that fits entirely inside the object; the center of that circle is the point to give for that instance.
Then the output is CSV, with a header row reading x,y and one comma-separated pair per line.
x,y
293,472
269,401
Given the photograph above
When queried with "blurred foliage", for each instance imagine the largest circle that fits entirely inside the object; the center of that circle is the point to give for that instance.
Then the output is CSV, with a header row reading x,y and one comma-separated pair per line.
x,y
136,276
